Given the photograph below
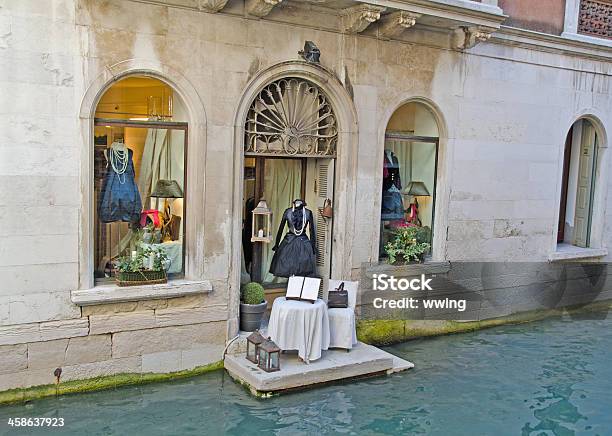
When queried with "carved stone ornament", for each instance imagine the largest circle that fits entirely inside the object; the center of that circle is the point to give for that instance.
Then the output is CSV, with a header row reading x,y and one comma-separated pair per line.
x,y
394,24
261,8
291,117
211,5
356,18
468,37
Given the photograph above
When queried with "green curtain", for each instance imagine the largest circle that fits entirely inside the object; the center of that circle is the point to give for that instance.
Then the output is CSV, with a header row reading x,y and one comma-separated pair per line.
x,y
282,184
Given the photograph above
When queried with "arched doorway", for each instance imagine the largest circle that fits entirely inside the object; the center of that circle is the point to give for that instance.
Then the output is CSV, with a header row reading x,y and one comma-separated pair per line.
x,y
578,186
410,164
139,175
289,145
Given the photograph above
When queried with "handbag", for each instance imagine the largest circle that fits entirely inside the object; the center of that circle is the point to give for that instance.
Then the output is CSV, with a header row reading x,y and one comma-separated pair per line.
x,y
327,211
338,298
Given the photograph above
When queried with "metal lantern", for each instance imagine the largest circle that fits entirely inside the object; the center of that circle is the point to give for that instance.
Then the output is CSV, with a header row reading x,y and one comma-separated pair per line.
x,y
254,340
269,356
262,223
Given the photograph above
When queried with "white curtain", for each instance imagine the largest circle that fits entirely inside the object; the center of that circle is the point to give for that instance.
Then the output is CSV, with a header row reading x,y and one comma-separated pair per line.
x,y
282,184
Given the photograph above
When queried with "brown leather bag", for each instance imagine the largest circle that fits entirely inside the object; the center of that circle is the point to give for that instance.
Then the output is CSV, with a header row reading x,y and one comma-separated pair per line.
x,y
338,298
327,211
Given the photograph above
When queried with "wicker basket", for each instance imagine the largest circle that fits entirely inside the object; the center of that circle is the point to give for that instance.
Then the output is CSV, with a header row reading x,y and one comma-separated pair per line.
x,y
141,278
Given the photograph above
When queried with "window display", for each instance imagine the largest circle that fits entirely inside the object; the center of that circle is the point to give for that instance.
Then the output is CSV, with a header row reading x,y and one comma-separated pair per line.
x,y
409,175
139,176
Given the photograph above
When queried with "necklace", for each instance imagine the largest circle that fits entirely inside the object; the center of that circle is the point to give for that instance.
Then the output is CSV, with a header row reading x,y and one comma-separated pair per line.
x,y
300,231
119,157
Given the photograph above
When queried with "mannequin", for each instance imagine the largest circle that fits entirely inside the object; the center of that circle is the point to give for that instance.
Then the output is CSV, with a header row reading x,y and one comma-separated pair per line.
x,y
119,198
296,254
392,203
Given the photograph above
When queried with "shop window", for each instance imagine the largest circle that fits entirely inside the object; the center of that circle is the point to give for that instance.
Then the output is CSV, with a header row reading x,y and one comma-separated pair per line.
x,y
140,145
409,174
290,149
578,185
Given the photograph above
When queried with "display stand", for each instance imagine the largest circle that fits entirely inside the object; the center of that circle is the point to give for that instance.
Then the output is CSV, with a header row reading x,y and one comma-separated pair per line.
x,y
303,289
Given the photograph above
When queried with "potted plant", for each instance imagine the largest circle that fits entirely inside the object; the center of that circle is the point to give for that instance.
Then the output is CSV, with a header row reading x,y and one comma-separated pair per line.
x,y
147,266
252,306
407,245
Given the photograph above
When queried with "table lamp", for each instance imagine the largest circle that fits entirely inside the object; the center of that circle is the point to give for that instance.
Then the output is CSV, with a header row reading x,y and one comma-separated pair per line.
x,y
416,189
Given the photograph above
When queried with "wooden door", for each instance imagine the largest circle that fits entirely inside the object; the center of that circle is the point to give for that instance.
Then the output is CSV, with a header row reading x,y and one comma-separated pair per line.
x,y
319,187
584,193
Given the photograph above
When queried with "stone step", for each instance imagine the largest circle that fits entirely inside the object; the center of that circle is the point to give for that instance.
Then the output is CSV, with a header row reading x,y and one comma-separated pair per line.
x,y
362,360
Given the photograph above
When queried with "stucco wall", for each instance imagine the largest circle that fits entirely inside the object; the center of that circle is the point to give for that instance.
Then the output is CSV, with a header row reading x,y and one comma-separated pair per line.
x,y
504,113
542,15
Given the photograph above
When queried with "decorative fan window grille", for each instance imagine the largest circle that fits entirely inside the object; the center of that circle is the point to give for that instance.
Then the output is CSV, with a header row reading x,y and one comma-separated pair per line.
x,y
291,117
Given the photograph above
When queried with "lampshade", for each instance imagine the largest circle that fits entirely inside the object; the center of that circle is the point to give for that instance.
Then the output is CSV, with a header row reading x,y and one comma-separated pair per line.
x,y
417,189
167,189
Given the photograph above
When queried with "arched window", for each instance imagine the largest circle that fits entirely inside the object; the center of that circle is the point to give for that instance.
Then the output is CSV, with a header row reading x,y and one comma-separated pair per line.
x,y
578,185
409,175
140,149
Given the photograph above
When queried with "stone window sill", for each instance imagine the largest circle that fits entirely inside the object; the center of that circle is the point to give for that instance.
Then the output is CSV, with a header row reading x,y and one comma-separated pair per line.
x,y
588,39
105,294
410,269
571,252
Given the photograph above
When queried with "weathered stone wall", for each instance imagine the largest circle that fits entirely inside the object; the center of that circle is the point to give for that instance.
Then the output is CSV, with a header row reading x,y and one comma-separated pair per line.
x,y
504,111
39,161
149,336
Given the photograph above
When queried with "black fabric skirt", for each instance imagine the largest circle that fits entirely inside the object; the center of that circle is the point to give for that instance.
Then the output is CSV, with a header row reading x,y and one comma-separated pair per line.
x,y
294,256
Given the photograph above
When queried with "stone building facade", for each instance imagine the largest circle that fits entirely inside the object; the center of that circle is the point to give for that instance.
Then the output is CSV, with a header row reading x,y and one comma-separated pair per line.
x,y
502,99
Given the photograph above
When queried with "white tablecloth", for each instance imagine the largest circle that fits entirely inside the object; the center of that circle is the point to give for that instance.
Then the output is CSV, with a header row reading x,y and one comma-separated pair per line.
x,y
342,328
301,326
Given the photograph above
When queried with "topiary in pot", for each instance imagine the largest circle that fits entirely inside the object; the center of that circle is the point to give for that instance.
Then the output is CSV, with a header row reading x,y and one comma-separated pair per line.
x,y
252,306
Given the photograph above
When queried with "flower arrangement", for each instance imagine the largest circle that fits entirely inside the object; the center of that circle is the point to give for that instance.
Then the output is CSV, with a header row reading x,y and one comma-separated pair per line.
x,y
147,265
407,245
146,259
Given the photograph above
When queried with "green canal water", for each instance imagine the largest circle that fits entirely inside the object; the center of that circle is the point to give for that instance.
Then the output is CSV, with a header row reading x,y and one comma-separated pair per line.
x,y
547,378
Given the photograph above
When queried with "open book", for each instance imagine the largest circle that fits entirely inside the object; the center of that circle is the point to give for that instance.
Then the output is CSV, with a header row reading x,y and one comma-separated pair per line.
x,y
303,288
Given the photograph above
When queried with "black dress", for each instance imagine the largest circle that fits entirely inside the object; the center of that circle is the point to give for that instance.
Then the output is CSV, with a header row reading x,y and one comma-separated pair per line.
x,y
296,254
392,203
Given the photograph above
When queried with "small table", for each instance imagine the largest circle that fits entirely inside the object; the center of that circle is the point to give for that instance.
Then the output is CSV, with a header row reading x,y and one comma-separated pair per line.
x,y
301,326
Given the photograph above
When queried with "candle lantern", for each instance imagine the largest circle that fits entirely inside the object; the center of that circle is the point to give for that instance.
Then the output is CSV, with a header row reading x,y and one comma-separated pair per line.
x,y
269,356
254,340
262,223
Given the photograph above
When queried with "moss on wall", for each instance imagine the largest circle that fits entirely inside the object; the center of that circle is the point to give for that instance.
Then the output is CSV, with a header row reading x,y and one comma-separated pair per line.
x,y
99,383
387,332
